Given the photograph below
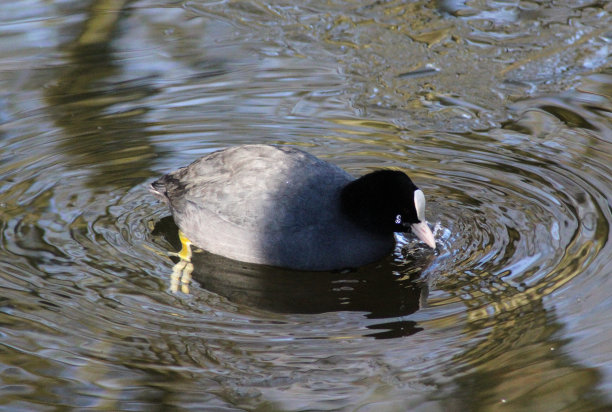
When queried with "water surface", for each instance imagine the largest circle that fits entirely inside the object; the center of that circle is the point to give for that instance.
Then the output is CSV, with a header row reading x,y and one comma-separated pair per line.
x,y
500,111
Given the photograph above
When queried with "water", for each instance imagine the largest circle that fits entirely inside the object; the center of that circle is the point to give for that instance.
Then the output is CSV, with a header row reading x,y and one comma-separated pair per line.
x,y
500,111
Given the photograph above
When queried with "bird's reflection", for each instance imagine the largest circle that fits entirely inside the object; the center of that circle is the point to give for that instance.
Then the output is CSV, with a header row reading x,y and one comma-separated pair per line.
x,y
383,290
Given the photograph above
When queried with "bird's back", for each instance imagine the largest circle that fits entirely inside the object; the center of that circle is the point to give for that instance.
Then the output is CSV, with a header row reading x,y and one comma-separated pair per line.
x,y
267,204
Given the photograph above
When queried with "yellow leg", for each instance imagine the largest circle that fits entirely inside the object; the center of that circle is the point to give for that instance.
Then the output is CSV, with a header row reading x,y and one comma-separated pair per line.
x,y
181,272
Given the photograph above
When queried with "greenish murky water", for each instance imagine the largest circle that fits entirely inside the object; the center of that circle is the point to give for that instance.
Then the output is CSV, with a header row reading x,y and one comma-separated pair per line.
x,y
499,110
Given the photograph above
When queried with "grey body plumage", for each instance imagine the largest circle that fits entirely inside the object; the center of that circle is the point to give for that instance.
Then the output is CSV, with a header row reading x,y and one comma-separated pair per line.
x,y
273,205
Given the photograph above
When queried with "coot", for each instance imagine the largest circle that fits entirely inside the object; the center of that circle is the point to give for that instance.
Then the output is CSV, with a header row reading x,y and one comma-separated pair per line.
x,y
280,206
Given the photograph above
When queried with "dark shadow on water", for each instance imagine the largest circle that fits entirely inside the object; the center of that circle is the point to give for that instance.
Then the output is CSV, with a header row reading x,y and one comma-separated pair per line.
x,y
382,290
98,103
104,132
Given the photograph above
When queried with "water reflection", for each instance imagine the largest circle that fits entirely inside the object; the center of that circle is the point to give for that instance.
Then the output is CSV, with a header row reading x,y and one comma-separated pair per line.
x,y
500,111
104,134
521,361
112,144
382,290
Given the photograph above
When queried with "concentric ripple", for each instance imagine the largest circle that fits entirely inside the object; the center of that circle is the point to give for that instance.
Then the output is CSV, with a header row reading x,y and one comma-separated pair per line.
x,y
519,221
511,312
